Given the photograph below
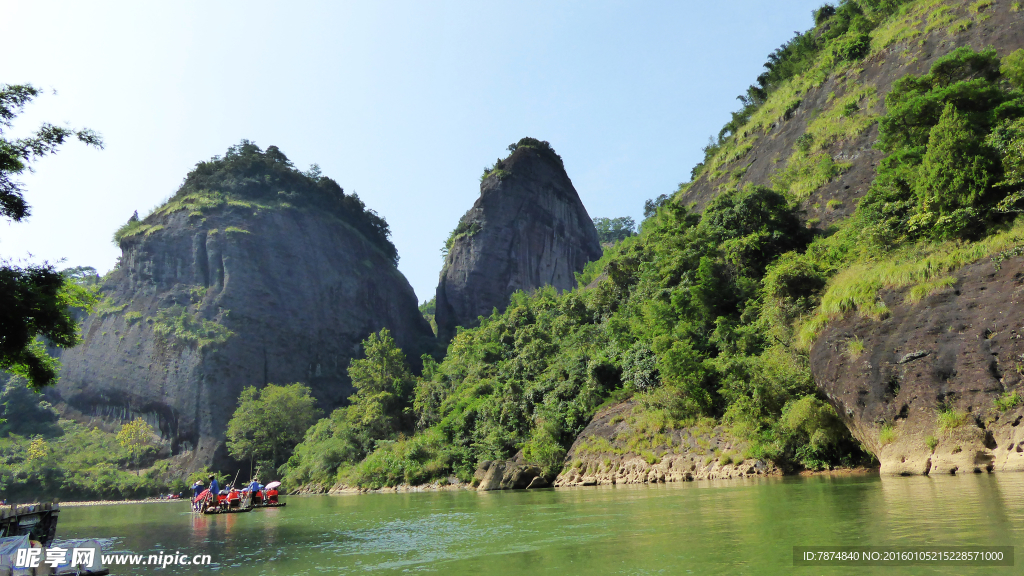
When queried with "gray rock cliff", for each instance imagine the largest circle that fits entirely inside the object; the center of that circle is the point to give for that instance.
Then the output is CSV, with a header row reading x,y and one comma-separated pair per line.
x,y
956,351
217,291
527,229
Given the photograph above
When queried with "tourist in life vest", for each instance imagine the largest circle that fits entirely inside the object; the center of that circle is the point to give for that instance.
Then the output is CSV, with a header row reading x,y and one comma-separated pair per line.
x,y
270,492
234,498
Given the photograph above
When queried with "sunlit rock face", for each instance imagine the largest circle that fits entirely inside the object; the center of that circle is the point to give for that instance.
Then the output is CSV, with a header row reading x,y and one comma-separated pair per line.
x,y
208,300
931,391
527,229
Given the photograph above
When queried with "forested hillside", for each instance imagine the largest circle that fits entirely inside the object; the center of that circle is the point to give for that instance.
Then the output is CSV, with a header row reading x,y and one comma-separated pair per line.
x,y
704,320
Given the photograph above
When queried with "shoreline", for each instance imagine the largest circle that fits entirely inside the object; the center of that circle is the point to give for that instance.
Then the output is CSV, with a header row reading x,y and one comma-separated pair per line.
x,y
433,487
79,503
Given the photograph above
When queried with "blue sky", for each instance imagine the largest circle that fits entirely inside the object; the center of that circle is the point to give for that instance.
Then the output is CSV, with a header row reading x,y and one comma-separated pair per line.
x,y
402,102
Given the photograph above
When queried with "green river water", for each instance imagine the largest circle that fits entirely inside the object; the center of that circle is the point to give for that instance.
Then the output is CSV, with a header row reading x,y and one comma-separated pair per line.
x,y
726,527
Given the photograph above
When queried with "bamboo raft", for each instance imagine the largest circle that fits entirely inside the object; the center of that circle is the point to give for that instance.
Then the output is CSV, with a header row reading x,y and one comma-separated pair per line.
x,y
226,510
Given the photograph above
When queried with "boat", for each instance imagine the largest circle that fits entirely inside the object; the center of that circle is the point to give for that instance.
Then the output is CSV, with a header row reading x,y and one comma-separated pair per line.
x,y
31,526
37,521
222,510
267,498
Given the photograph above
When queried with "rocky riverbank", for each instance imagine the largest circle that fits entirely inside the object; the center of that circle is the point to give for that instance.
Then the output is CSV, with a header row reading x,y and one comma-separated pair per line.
x,y
613,449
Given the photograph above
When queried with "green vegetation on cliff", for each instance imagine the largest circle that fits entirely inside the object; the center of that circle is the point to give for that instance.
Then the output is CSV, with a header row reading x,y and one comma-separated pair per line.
x,y
43,456
683,321
250,178
708,316
946,195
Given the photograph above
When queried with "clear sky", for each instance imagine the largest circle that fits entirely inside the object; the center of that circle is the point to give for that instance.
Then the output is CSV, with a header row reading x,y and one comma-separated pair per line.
x,y
402,102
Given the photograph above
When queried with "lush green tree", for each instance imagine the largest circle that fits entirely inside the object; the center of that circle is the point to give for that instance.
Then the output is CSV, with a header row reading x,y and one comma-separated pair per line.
x,y
135,437
269,422
1012,67
956,171
24,411
35,300
381,406
612,230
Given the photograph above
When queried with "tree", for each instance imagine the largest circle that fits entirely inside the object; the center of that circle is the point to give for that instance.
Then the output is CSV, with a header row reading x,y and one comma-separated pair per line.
x,y
135,437
651,205
956,171
38,449
614,229
24,412
381,405
35,300
269,423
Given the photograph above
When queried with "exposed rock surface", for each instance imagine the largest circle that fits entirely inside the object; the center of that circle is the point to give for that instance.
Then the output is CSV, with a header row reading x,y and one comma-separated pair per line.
x,y
514,474
601,454
205,304
959,348
527,229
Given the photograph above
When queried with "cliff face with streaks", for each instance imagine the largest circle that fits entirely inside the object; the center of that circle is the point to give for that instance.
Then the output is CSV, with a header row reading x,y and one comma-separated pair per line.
x,y
527,229
922,396
217,291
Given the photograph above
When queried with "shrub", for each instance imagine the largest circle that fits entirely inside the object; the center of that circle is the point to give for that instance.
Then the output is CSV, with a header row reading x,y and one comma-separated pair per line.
x,y
887,435
463,229
177,322
852,47
1012,67
932,442
1008,400
855,348
804,142
544,449
950,418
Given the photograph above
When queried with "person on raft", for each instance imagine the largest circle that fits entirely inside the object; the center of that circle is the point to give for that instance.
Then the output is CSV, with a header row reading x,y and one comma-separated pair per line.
x,y
197,489
254,487
214,491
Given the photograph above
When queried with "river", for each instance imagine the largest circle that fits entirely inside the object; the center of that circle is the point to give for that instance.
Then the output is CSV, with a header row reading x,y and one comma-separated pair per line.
x,y
726,527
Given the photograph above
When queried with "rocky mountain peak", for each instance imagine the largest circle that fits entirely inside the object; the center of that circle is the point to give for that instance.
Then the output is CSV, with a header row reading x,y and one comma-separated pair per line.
x,y
252,273
527,229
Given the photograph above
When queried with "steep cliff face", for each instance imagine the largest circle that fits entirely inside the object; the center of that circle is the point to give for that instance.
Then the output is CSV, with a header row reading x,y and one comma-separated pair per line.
x,y
216,291
922,396
527,229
